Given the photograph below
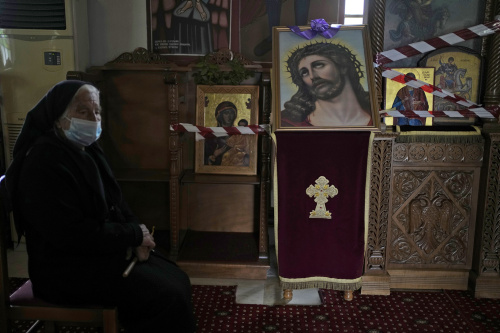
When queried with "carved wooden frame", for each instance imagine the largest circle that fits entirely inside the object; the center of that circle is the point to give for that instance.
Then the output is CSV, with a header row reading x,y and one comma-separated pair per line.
x,y
486,277
376,280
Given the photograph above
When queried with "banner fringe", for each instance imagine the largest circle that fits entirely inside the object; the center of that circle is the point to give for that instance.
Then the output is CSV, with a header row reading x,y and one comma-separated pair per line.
x,y
321,285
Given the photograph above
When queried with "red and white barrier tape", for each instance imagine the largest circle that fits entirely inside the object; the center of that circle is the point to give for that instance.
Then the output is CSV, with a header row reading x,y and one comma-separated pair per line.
x,y
465,113
435,43
213,132
473,110
427,87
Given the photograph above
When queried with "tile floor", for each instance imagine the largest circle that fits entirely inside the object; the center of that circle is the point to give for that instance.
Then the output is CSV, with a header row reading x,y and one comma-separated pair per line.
x,y
267,292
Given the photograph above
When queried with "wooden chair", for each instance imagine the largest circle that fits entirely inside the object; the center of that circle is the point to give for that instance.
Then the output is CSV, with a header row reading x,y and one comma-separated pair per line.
x,y
23,305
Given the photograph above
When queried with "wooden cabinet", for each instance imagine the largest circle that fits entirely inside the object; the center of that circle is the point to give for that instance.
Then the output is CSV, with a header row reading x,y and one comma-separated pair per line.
x,y
433,212
219,222
211,225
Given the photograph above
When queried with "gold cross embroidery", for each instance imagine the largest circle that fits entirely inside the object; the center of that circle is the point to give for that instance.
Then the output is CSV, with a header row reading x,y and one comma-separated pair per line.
x,y
321,191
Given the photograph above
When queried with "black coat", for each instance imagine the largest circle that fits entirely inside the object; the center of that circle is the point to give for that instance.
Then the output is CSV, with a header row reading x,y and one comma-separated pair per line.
x,y
77,225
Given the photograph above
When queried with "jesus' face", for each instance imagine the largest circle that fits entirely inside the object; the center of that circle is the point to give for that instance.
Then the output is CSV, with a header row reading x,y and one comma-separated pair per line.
x,y
322,76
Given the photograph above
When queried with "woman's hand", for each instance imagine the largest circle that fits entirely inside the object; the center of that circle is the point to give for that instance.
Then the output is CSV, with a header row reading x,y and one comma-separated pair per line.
x,y
142,252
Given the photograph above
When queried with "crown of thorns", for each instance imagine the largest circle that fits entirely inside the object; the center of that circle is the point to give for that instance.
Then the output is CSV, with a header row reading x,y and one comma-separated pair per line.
x,y
321,48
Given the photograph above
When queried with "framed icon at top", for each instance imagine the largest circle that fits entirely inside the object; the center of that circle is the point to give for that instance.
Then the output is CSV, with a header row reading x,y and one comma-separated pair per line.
x,y
192,27
324,83
457,70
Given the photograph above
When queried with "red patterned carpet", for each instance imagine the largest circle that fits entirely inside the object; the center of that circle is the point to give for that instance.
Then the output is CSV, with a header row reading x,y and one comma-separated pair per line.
x,y
402,311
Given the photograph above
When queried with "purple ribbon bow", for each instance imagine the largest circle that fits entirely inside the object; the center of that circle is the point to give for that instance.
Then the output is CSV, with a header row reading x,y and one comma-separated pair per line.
x,y
318,26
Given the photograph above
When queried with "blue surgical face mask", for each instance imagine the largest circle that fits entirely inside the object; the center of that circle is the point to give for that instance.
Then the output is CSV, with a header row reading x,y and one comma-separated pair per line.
x,y
83,132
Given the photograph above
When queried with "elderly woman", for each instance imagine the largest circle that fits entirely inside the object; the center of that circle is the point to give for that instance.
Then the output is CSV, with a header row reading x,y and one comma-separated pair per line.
x,y
77,225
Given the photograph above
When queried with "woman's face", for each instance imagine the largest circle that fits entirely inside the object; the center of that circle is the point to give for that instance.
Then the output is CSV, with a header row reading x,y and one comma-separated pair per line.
x,y
227,117
85,105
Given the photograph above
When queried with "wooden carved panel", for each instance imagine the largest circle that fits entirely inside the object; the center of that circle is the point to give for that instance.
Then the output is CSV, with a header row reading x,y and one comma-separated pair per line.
x,y
376,22
266,144
379,203
489,261
431,211
140,56
491,45
433,203
438,152
170,80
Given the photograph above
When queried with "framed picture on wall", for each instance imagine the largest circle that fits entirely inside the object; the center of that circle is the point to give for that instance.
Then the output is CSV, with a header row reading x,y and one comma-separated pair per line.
x,y
401,97
407,22
324,83
192,27
457,70
227,106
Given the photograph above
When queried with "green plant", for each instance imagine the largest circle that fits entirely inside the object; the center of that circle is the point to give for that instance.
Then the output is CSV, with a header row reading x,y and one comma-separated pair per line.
x,y
210,73
238,72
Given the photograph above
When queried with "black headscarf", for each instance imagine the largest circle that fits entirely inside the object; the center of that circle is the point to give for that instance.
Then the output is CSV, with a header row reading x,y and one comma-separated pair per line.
x,y
40,122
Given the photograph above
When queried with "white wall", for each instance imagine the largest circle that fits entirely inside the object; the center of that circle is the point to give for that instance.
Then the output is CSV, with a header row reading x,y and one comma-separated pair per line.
x,y
115,26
